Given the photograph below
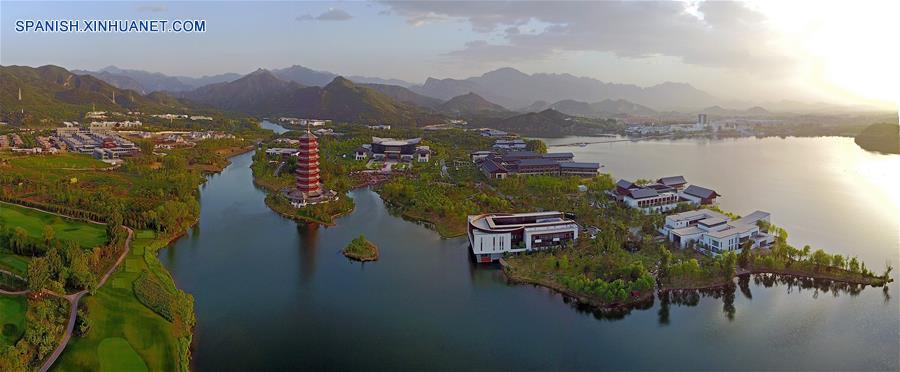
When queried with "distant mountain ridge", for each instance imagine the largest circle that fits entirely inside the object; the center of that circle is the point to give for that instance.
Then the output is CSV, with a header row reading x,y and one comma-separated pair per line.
x,y
605,108
470,104
512,88
263,93
154,81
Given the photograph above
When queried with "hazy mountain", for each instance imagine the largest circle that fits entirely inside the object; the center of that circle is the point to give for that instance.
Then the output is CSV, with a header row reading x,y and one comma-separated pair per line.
x,y
605,108
154,81
56,93
310,77
305,76
512,88
469,104
621,106
263,93
552,123
405,95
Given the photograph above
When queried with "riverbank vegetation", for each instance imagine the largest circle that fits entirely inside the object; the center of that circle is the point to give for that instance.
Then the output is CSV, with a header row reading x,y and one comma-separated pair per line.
x,y
154,192
361,249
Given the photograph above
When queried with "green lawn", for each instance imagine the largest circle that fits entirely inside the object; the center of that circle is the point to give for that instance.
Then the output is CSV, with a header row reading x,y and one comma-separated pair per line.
x,y
12,319
14,263
125,334
116,355
87,234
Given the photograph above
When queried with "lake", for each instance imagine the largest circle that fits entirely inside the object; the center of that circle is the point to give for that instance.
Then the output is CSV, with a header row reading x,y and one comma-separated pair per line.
x,y
272,294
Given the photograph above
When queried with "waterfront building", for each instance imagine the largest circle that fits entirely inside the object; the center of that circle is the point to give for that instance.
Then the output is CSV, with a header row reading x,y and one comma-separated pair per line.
x,y
532,163
699,195
493,235
716,233
309,188
676,182
651,198
512,144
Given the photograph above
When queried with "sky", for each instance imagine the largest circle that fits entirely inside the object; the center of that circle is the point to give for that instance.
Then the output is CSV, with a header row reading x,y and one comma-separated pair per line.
x,y
840,52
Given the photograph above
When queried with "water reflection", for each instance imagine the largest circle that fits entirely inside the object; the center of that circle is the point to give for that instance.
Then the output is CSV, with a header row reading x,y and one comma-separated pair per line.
x,y
308,245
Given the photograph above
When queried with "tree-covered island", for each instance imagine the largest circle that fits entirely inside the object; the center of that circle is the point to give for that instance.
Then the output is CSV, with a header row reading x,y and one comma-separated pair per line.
x,y
360,249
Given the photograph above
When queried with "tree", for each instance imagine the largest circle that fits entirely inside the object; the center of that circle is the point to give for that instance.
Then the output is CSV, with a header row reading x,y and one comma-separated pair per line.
x,y
48,236
536,145
854,265
38,274
837,261
820,258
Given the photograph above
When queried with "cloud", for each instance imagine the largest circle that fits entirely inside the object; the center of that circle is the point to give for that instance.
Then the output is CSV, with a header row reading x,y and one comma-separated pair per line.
x,y
711,34
331,14
153,8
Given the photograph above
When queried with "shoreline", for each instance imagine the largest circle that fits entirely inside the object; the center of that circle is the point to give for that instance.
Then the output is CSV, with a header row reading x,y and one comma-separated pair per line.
x,y
514,277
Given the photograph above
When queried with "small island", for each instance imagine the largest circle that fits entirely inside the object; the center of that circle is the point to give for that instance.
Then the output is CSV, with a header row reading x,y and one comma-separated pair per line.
x,y
880,137
361,250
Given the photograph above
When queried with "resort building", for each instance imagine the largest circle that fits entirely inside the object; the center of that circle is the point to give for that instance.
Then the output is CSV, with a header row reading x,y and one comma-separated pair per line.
x,y
309,189
675,182
394,149
492,235
480,155
699,195
513,144
662,196
531,163
716,233
282,152
488,132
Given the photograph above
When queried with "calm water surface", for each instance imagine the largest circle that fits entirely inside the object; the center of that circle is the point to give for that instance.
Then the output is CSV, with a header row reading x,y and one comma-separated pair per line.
x,y
272,294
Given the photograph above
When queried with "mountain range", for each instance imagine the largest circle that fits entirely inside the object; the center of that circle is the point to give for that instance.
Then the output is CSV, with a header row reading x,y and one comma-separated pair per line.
x,y
263,93
507,87
512,88
52,92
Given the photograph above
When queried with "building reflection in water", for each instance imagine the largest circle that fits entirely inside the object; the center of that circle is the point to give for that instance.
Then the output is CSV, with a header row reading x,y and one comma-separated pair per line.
x,y
309,240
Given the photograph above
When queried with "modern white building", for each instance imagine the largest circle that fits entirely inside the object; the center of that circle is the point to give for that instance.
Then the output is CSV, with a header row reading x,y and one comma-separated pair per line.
x,y
492,235
715,232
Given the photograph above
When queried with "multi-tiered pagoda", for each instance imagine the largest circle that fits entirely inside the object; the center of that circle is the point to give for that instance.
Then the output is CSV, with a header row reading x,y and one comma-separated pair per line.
x,y
309,188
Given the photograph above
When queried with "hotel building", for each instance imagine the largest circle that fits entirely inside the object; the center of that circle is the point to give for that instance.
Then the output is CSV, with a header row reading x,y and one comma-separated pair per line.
x,y
492,235
714,232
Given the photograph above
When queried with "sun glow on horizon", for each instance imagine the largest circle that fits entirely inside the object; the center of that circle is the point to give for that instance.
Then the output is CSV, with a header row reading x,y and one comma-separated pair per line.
x,y
848,49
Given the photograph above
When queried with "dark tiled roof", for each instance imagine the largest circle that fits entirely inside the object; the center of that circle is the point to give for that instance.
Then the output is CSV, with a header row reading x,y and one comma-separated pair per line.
x,y
624,184
671,181
516,155
643,193
490,166
537,162
559,155
700,192
660,187
579,165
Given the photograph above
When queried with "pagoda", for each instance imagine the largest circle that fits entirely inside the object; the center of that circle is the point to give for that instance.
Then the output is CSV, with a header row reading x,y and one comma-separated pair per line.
x,y
309,188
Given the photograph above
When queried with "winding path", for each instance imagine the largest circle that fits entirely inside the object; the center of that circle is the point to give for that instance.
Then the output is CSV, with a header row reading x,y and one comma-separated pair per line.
x,y
73,298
